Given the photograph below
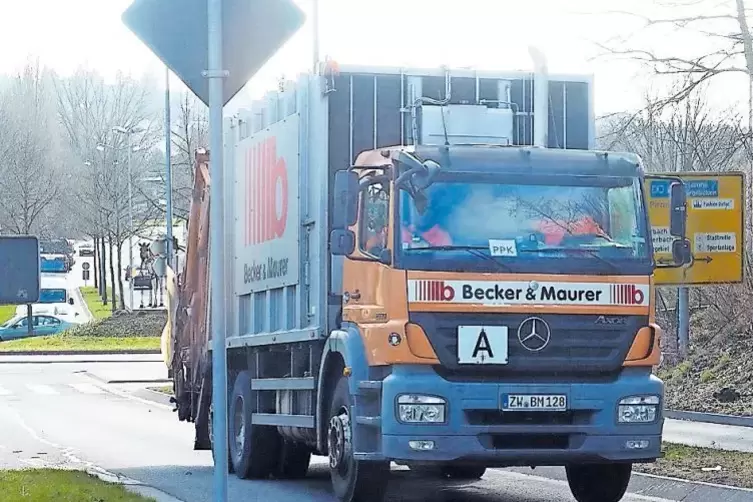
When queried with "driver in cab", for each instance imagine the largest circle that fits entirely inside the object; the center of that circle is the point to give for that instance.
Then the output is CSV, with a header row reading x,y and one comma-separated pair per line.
x,y
427,228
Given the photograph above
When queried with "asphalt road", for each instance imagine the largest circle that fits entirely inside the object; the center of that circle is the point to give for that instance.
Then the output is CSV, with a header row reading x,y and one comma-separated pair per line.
x,y
57,414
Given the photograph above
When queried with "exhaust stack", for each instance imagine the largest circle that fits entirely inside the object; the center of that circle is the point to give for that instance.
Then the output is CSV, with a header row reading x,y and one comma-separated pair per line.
x,y
541,98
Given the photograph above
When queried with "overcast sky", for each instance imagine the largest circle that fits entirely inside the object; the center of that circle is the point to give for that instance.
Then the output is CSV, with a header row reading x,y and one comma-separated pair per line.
x,y
488,34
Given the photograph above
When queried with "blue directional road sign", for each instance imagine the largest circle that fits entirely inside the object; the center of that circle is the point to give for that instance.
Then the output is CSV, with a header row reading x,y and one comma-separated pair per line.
x,y
176,31
19,269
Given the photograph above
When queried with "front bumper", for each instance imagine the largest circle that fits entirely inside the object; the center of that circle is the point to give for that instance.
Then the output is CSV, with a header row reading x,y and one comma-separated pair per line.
x,y
476,431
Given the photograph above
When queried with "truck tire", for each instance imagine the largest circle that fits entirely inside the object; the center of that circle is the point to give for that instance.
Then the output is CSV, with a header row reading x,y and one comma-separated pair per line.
x,y
294,461
599,482
460,471
252,447
352,480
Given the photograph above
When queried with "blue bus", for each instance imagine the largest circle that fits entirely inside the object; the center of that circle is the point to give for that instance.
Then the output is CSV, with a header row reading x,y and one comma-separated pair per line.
x,y
54,263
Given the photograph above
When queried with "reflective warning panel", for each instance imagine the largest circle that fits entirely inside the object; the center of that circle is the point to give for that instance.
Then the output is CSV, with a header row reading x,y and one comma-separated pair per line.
x,y
716,208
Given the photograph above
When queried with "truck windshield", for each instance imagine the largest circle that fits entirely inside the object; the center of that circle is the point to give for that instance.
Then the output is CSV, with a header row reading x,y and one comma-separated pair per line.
x,y
587,224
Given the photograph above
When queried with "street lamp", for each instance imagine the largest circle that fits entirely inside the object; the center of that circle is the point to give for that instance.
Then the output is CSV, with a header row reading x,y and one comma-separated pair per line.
x,y
129,132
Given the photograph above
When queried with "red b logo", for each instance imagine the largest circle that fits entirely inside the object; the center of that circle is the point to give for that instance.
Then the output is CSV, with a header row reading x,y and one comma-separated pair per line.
x,y
266,193
434,291
627,294
448,292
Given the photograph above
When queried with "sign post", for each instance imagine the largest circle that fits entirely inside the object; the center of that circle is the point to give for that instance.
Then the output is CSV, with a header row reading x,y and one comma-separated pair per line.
x,y
20,268
85,272
215,47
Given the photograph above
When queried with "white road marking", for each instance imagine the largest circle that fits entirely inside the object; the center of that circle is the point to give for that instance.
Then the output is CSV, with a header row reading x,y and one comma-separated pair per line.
x,y
42,389
4,392
87,388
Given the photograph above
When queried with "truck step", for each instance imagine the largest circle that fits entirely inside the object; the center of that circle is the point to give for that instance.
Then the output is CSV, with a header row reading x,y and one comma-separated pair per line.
x,y
368,456
283,383
370,385
369,421
306,421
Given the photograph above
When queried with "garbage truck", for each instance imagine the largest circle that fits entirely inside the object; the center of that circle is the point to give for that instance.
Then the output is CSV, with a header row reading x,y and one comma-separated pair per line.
x,y
431,267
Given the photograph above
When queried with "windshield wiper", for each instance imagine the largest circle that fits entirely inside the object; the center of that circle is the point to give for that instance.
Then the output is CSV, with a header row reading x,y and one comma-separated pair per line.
x,y
473,250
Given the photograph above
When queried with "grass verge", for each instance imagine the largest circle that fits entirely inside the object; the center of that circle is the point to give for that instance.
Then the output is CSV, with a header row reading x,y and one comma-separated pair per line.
x,y
6,312
167,389
94,302
43,485
708,465
69,342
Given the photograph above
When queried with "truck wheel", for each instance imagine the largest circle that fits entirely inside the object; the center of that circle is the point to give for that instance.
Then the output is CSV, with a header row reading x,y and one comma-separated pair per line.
x,y
252,447
294,461
463,471
352,480
599,482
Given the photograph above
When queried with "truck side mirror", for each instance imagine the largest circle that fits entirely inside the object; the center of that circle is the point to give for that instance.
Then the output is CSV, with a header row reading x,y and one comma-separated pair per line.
x,y
342,242
681,253
385,256
70,301
678,210
346,190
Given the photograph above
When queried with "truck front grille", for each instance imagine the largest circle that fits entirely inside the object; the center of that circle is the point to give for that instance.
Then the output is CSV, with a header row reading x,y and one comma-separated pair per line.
x,y
497,417
528,441
581,347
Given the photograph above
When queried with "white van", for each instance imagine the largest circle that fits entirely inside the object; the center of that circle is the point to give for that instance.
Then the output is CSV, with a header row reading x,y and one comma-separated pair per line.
x,y
57,299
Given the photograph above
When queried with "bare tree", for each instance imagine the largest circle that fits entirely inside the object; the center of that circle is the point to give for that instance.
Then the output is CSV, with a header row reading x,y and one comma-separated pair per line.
x,y
189,131
681,136
91,111
724,28
33,172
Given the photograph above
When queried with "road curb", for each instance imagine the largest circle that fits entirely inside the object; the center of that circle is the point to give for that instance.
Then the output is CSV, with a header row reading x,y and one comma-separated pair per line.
x,y
78,352
132,485
699,483
137,380
78,358
150,491
134,380
651,487
154,396
84,305
709,418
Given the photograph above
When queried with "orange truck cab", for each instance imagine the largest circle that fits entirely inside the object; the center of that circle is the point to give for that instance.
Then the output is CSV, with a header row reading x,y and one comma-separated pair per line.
x,y
420,278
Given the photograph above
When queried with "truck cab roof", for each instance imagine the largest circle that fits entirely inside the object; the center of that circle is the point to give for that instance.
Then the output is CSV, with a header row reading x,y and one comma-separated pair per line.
x,y
529,160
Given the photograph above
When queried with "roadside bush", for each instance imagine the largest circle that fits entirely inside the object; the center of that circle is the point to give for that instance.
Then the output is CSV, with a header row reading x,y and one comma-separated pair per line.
x,y
125,324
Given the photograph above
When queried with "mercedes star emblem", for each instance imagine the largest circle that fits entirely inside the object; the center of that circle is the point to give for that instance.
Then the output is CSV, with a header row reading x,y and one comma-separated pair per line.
x,y
534,334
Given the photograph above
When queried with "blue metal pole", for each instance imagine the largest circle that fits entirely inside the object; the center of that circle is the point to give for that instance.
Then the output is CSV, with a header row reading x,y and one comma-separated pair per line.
x,y
216,251
683,324
168,175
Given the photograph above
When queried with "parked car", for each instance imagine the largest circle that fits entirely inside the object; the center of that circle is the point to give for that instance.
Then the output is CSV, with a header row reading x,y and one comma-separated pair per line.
x,y
42,325
61,310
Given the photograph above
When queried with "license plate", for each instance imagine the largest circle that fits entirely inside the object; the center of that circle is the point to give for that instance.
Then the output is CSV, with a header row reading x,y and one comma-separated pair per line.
x,y
534,402
482,344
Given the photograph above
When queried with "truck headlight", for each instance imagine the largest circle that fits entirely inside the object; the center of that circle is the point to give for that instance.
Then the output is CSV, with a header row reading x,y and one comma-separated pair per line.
x,y
638,409
417,409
